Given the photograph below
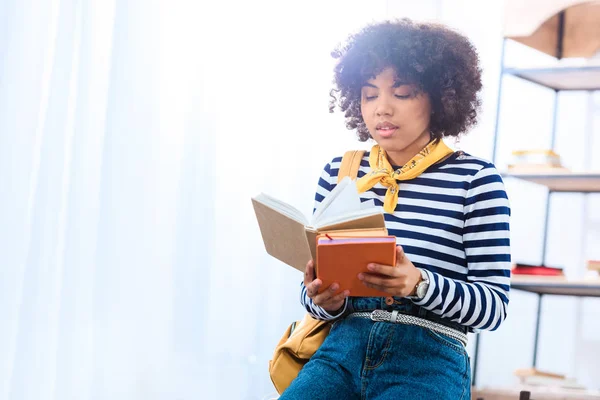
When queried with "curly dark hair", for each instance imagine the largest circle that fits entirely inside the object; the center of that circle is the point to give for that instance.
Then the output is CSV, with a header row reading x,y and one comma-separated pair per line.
x,y
441,62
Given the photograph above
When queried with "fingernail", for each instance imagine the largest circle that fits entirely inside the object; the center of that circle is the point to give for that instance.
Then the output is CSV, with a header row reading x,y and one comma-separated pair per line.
x,y
334,287
346,293
371,267
361,276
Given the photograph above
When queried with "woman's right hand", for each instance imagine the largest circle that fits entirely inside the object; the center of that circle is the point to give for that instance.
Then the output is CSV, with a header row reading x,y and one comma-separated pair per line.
x,y
328,300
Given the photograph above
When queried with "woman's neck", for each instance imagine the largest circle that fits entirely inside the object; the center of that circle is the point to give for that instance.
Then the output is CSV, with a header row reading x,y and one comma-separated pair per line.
x,y
401,157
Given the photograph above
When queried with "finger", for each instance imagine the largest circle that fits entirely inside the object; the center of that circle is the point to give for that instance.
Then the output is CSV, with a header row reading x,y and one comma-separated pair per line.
x,y
374,279
336,301
386,270
381,288
340,297
399,255
309,273
327,294
312,289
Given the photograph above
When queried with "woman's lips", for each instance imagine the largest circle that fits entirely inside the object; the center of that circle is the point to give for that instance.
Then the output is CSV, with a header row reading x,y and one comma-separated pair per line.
x,y
386,132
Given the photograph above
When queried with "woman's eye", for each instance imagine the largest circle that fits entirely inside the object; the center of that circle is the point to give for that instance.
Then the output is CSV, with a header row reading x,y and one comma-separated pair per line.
x,y
370,98
402,96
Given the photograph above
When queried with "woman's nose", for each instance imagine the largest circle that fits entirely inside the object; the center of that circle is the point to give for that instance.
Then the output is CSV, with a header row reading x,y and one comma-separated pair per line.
x,y
383,108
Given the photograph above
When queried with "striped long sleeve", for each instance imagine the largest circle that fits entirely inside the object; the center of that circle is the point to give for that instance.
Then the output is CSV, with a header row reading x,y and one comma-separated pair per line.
x,y
481,301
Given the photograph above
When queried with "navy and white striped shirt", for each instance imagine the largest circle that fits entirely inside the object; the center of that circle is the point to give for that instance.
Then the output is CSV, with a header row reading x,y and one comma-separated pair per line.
x,y
452,222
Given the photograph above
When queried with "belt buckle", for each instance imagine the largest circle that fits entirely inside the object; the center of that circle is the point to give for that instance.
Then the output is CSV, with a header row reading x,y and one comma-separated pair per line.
x,y
384,316
377,316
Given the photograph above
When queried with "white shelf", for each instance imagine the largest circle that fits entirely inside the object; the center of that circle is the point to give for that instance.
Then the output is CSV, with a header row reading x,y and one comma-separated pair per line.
x,y
561,181
556,285
561,78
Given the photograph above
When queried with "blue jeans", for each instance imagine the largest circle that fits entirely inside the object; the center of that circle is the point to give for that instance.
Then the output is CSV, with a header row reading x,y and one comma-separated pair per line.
x,y
363,359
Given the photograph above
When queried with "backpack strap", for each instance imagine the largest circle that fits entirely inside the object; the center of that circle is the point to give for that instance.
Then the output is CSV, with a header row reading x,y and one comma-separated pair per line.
x,y
350,164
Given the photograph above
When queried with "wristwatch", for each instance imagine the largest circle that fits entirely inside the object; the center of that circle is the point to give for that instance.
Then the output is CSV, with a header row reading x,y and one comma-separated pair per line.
x,y
422,286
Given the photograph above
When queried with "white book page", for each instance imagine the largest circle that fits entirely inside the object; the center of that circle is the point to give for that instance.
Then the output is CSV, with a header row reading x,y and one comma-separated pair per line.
x,y
347,217
322,206
343,201
367,204
282,207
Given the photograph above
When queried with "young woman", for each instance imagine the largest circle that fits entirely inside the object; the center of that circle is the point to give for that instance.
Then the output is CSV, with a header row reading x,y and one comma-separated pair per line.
x,y
407,86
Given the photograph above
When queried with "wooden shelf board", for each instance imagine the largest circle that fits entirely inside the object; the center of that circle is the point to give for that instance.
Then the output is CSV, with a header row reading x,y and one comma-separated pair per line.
x,y
556,286
561,181
561,78
537,392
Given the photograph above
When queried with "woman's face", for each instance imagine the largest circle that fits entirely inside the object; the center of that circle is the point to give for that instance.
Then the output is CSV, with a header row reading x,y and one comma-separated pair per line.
x,y
396,114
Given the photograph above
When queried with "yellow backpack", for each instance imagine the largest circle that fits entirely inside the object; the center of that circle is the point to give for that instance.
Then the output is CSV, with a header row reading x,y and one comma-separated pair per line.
x,y
303,338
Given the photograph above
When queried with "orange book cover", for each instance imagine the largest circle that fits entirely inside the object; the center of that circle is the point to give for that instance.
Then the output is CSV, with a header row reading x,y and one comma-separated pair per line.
x,y
340,259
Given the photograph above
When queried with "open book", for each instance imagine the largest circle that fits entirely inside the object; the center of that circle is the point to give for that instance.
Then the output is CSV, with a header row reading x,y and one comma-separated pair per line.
x,y
291,237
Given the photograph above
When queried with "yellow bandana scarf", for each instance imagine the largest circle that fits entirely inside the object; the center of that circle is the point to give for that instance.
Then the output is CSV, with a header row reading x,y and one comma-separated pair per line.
x,y
381,170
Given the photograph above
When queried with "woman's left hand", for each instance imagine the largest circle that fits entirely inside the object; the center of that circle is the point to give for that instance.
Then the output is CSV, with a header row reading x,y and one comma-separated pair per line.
x,y
399,280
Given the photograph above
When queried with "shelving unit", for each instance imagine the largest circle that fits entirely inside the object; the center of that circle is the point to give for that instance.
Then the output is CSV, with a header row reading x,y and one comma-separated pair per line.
x,y
560,28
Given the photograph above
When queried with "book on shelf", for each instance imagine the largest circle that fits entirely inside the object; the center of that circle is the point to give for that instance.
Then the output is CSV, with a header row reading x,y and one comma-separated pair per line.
x,y
593,265
291,237
535,377
536,270
535,161
527,372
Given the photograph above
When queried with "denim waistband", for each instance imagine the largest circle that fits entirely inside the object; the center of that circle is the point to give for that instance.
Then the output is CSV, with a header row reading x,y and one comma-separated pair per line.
x,y
402,305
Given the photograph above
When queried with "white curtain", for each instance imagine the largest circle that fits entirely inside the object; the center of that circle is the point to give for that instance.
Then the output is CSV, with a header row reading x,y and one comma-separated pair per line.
x,y
132,136
90,179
